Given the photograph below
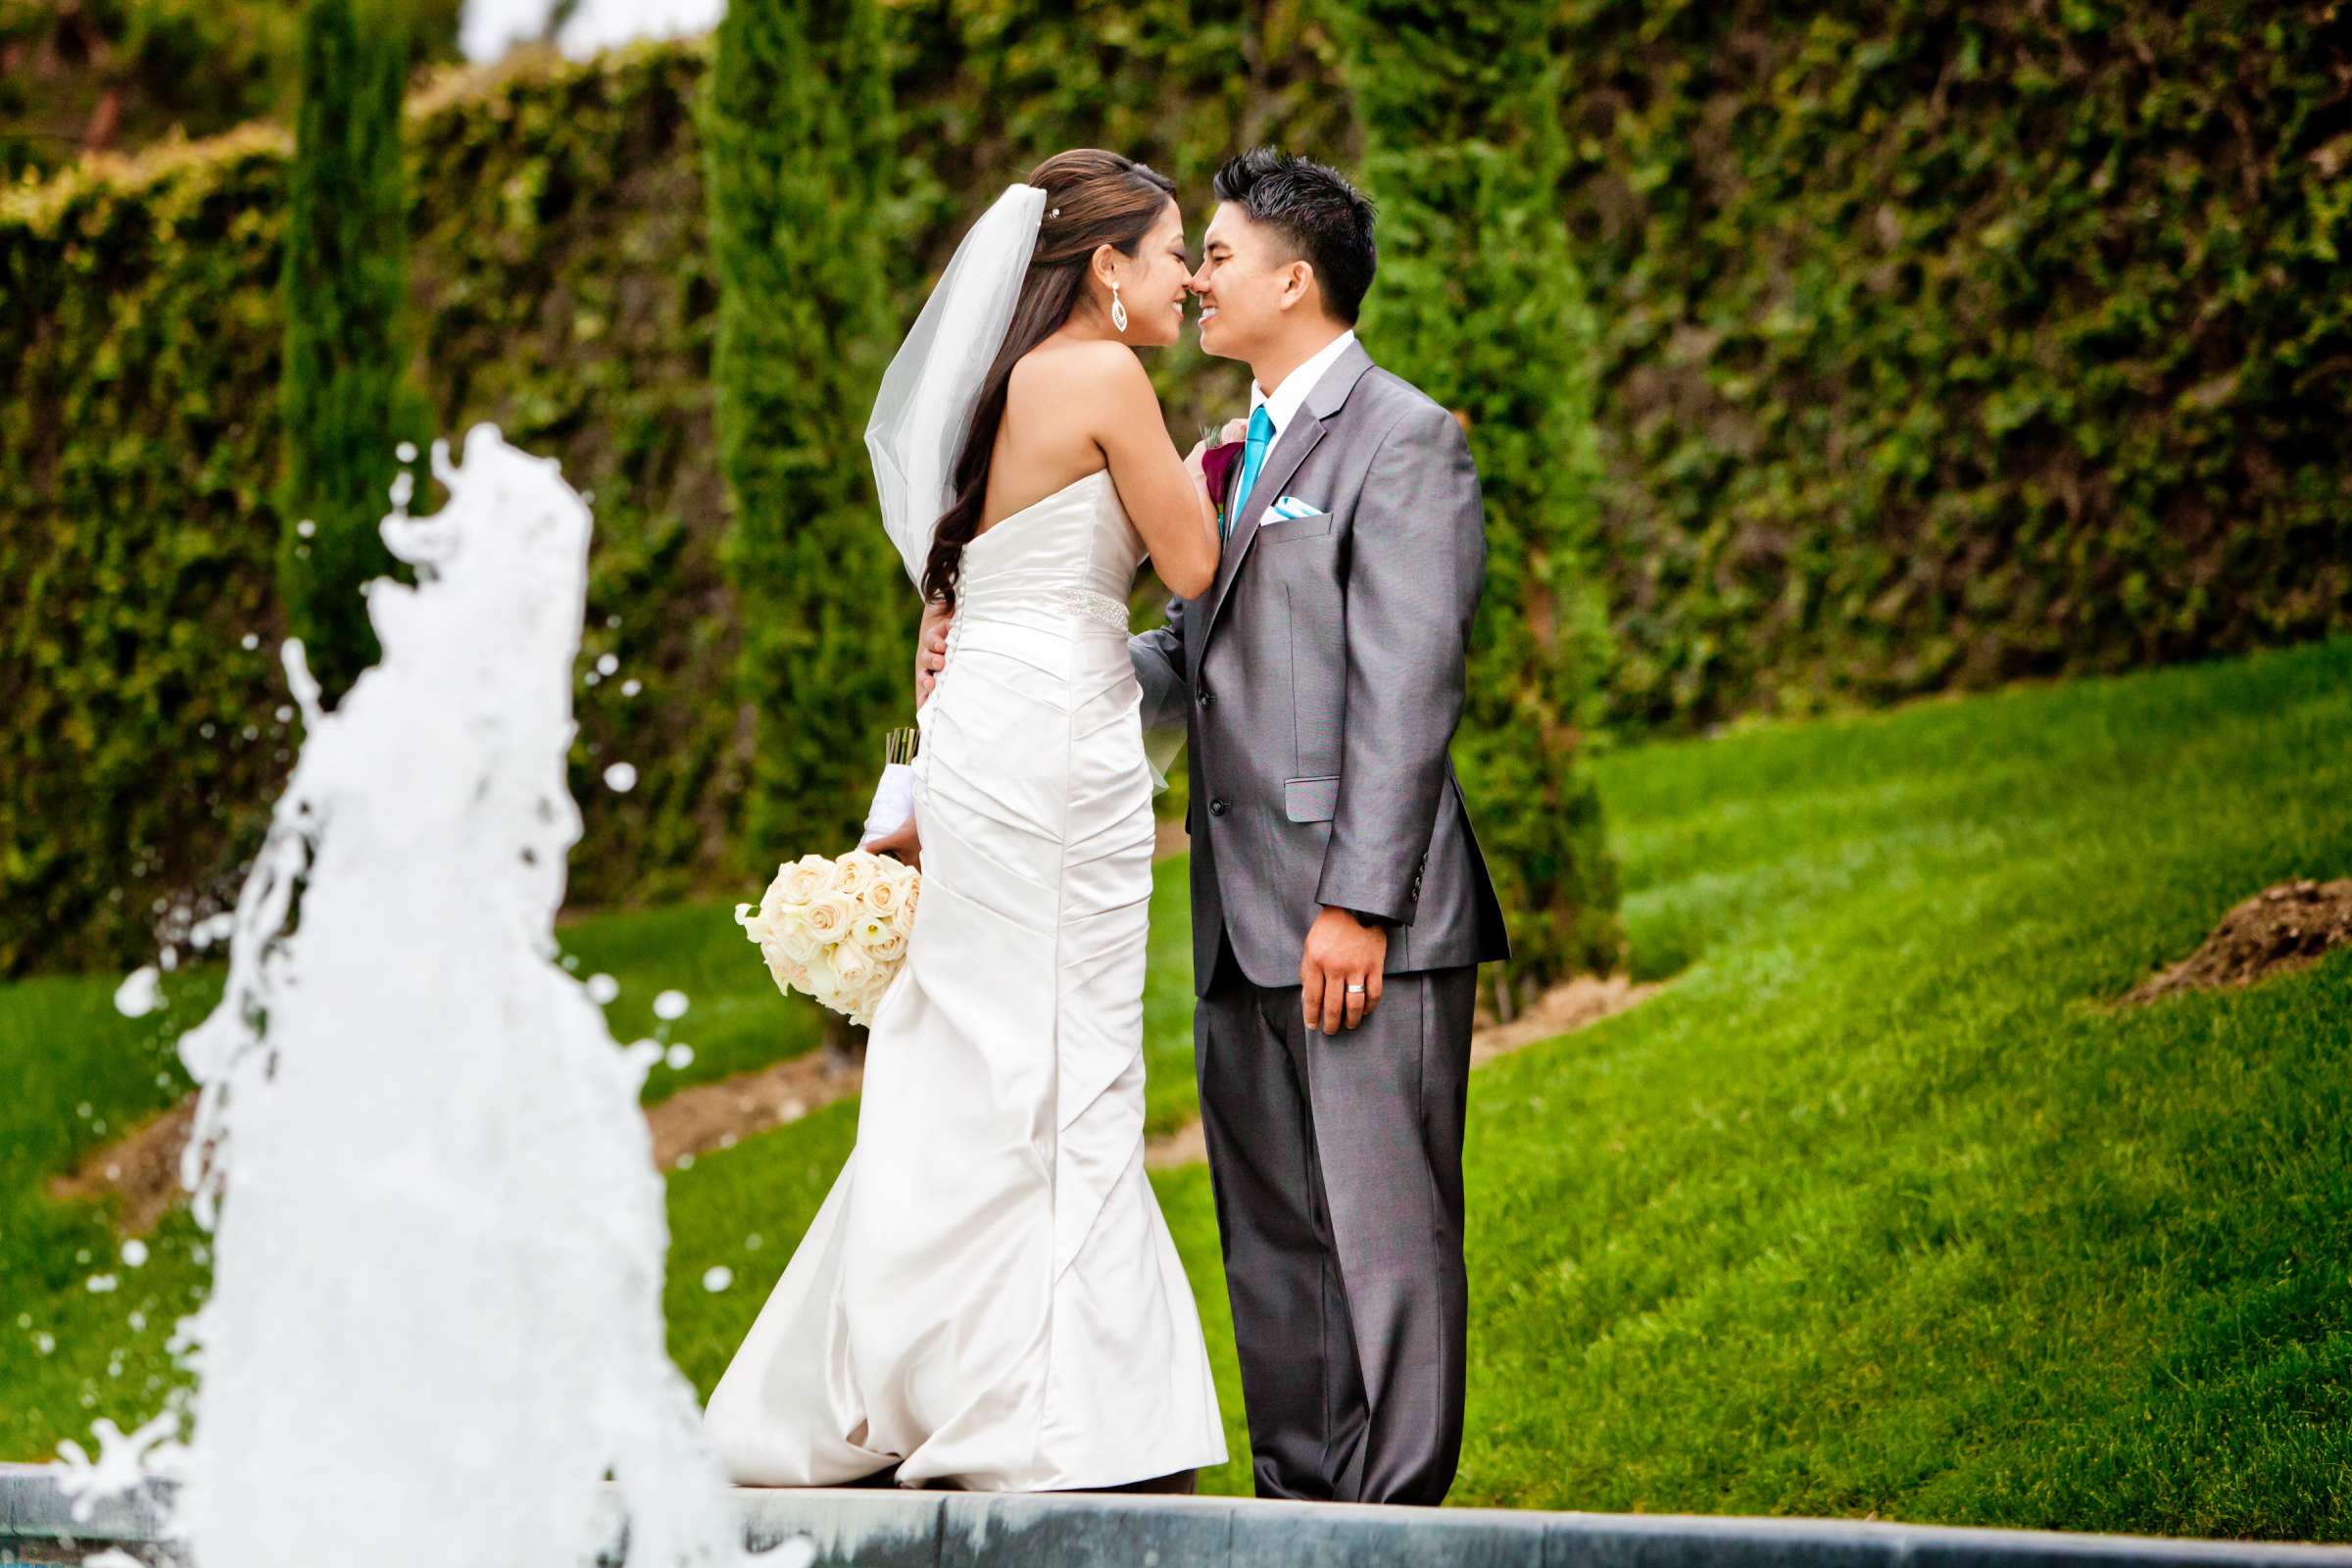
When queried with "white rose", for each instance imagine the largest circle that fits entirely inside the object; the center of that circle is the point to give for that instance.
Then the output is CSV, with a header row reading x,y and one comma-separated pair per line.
x,y
853,872
777,903
852,966
892,948
882,895
804,879
906,902
792,935
828,918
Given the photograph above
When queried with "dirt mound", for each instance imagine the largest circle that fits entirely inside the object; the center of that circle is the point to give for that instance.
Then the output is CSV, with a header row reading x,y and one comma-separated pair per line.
x,y
2277,931
142,1165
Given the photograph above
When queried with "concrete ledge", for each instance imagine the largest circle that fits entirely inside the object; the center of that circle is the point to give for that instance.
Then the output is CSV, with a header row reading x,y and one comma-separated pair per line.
x,y
36,1520
884,1528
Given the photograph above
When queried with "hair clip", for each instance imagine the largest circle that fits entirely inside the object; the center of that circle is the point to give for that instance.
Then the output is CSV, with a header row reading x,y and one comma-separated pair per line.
x,y
1055,213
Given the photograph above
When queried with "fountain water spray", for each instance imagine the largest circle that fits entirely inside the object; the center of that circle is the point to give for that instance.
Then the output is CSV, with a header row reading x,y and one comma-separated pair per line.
x,y
436,1309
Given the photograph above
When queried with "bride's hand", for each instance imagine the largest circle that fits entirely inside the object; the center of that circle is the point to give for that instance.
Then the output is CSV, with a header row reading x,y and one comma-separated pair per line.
x,y
1195,461
905,841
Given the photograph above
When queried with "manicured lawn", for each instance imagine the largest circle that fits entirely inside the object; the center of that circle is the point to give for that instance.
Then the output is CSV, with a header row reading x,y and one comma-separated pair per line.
x,y
78,1072
1877,1208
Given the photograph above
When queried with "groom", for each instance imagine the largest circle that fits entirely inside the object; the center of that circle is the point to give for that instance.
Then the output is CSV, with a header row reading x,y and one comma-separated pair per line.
x,y
1340,908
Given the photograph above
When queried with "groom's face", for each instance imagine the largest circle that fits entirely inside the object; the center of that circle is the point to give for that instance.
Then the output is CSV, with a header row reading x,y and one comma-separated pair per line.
x,y
1245,278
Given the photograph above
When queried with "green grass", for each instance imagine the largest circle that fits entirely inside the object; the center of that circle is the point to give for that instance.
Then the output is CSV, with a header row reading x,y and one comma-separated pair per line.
x,y
1877,1208
78,1073
1169,1098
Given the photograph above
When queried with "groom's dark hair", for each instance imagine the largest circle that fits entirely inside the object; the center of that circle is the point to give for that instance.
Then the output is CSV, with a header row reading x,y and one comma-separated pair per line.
x,y
1325,218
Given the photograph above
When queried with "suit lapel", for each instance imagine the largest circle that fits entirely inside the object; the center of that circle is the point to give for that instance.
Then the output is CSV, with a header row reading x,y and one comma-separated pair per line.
x,y
1290,450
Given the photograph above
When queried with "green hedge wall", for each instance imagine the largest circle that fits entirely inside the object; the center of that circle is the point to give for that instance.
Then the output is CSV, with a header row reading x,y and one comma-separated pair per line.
x,y
139,453
1938,344
1952,343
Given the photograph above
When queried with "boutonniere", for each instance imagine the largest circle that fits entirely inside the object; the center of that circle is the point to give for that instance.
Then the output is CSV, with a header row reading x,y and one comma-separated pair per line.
x,y
1216,463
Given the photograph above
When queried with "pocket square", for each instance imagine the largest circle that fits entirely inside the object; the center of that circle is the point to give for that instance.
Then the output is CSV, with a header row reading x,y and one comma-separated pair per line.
x,y
1288,508
1289,518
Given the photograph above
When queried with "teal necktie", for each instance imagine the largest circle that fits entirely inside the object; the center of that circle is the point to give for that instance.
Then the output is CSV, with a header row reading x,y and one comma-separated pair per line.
x,y
1254,458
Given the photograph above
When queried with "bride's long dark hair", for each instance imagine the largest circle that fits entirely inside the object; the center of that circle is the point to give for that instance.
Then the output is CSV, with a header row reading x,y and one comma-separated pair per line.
x,y
1093,198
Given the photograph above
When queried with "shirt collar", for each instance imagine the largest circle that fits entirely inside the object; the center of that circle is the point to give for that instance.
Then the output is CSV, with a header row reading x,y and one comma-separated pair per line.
x,y
1283,403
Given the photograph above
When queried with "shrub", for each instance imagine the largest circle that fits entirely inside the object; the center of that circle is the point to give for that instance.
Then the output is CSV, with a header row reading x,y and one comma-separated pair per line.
x,y
347,396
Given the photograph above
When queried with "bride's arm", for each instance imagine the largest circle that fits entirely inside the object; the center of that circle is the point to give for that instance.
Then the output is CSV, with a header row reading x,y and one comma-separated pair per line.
x,y
1164,494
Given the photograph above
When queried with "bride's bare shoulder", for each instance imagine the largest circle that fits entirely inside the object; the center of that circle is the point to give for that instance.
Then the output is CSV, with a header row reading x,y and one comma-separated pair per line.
x,y
1084,372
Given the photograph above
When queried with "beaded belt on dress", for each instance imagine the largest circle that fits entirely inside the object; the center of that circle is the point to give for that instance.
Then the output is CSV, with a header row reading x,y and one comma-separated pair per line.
x,y
1088,604
1094,605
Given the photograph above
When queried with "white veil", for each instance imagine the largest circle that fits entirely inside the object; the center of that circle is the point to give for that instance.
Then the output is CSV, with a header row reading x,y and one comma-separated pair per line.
x,y
925,405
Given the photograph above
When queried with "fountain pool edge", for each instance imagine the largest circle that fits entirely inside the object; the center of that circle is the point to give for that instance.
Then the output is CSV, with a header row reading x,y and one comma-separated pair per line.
x,y
882,1529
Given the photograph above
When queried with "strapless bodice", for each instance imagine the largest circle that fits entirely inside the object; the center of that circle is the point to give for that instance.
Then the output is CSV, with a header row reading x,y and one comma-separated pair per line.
x,y
1068,558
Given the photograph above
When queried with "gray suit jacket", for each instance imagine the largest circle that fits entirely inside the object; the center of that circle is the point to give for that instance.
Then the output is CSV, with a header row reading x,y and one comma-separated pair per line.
x,y
1321,679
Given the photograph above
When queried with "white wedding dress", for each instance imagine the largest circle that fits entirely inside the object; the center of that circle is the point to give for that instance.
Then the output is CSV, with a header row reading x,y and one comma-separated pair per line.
x,y
989,1297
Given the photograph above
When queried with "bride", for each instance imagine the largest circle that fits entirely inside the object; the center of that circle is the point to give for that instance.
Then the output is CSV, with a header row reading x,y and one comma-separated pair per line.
x,y
989,1297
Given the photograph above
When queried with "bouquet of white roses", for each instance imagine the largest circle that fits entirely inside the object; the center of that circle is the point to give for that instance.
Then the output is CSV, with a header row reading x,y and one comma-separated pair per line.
x,y
836,928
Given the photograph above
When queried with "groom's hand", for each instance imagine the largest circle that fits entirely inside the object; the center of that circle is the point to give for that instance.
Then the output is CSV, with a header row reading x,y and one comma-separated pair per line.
x,y
1341,952
905,841
930,653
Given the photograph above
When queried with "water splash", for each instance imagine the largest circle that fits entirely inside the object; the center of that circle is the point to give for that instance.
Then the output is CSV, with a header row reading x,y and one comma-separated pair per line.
x,y
436,1307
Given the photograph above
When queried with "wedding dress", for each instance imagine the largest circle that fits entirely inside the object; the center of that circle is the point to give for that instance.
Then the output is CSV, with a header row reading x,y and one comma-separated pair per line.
x,y
988,1296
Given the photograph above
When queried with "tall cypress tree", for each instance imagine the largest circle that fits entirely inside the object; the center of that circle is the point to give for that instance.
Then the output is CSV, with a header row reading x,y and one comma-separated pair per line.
x,y
349,398
1479,303
797,125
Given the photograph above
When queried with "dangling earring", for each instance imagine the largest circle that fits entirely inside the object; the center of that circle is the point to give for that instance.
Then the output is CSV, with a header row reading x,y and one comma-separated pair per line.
x,y
1118,308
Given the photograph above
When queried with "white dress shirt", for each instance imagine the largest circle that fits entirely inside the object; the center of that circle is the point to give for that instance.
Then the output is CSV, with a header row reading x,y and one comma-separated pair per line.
x,y
1287,398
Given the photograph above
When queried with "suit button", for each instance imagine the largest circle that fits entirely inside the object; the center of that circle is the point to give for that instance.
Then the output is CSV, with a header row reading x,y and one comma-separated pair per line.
x,y
1216,807
1206,697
